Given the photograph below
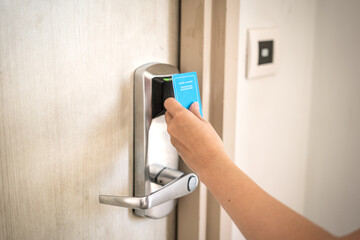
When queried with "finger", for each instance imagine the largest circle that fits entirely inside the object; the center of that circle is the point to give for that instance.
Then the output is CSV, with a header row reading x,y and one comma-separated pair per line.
x,y
168,117
173,106
195,109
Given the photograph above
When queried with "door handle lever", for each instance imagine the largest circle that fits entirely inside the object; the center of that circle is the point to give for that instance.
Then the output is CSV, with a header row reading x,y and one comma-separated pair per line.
x,y
157,183
178,187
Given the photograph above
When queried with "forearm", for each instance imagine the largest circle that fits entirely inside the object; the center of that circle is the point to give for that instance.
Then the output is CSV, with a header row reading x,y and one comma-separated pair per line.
x,y
256,213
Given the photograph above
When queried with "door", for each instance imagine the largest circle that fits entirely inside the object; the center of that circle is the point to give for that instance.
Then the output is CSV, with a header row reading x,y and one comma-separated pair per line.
x,y
66,114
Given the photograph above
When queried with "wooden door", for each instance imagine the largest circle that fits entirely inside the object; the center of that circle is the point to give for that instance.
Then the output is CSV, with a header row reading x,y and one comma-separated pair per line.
x,y
66,114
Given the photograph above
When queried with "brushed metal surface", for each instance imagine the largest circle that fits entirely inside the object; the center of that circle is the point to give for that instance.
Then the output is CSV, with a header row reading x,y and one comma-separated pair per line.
x,y
157,182
151,141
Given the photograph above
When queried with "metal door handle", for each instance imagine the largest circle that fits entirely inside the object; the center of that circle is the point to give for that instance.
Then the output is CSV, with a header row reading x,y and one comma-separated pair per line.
x,y
176,185
157,183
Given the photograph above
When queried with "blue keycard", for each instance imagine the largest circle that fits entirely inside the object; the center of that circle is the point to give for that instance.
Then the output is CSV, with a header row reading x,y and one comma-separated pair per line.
x,y
186,89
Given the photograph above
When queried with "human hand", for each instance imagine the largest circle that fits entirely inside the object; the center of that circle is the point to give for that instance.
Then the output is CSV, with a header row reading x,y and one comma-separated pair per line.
x,y
195,139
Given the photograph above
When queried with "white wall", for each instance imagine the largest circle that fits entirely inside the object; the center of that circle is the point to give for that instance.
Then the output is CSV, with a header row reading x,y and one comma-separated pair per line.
x,y
298,132
273,112
333,173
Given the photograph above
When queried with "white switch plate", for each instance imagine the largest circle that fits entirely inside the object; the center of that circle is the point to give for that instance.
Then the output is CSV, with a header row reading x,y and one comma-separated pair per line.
x,y
256,69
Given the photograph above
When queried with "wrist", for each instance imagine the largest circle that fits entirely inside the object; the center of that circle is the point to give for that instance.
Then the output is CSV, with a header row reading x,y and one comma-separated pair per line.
x,y
213,168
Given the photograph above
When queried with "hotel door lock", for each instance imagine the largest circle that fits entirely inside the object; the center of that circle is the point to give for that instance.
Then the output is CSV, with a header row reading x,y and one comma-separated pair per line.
x,y
157,182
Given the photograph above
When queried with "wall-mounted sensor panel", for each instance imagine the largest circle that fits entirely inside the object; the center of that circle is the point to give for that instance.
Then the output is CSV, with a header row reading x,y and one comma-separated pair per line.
x,y
262,52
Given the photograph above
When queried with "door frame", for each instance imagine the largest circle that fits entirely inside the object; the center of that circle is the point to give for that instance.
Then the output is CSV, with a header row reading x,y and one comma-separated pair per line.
x,y
209,37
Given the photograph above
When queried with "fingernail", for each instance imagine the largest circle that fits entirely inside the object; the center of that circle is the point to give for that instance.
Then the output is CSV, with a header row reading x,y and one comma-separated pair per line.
x,y
195,105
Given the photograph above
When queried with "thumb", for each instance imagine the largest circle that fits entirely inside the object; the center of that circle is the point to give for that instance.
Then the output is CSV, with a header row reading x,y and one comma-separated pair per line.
x,y
195,109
